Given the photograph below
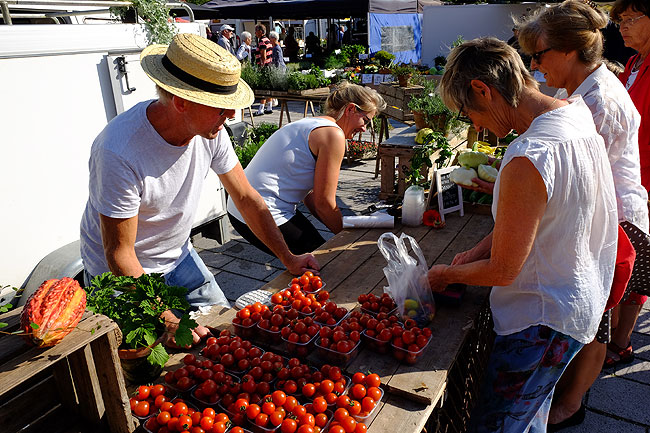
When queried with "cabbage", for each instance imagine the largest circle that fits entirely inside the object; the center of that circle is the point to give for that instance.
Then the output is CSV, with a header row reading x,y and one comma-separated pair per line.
x,y
472,159
422,134
463,176
487,173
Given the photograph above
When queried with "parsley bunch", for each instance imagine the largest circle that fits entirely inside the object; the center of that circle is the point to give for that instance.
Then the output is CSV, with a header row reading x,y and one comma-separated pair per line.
x,y
136,305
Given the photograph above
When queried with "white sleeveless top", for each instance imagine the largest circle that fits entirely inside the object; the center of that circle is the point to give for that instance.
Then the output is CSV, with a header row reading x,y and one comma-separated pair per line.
x,y
282,170
566,279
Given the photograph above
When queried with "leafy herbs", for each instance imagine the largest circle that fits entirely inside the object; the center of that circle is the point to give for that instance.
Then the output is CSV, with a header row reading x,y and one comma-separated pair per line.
x,y
433,142
255,137
136,305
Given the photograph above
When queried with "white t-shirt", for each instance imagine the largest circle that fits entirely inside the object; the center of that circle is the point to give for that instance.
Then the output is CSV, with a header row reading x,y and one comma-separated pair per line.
x,y
617,121
566,279
134,171
282,170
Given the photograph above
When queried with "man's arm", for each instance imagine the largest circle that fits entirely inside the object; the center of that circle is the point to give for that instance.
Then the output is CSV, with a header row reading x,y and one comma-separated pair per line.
x,y
329,145
258,218
118,238
262,49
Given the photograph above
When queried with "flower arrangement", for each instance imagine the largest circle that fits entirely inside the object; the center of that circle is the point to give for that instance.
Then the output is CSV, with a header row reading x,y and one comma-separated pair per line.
x,y
359,149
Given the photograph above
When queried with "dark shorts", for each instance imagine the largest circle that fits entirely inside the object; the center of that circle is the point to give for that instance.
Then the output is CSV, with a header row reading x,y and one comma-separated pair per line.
x,y
300,235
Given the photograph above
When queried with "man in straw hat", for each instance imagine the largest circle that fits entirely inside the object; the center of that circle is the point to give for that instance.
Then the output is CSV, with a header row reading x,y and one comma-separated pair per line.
x,y
147,169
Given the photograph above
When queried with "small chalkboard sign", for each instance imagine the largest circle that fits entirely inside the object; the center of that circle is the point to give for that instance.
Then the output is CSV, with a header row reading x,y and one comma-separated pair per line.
x,y
450,195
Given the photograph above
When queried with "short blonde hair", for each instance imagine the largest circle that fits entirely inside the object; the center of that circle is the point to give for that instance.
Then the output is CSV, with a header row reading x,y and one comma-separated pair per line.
x,y
365,98
489,60
569,26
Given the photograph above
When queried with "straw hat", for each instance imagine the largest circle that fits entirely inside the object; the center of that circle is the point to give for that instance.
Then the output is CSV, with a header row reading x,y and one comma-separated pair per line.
x,y
198,70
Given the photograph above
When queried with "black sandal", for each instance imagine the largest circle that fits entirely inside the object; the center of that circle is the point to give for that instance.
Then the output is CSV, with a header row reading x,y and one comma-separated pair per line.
x,y
575,419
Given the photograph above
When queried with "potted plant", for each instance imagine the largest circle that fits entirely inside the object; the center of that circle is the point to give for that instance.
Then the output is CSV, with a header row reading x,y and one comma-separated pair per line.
x,y
136,305
383,58
429,111
421,159
403,73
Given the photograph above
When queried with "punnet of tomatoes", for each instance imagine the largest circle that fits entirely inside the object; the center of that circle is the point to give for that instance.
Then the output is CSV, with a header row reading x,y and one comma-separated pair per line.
x,y
338,346
299,336
373,304
294,376
409,345
308,282
328,383
268,329
330,314
235,353
147,399
180,416
294,297
381,341
281,412
365,395
245,320
343,422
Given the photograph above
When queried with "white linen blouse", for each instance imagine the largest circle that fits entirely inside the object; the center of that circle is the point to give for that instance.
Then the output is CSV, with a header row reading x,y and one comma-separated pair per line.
x,y
617,121
566,279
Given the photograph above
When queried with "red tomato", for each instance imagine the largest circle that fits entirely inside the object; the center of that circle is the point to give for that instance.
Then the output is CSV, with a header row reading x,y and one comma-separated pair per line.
x,y
290,403
321,420
276,418
261,420
142,408
179,409
319,405
336,429
306,428
367,404
349,424
289,425
207,423
241,405
358,391
358,377
326,386
252,411
374,393
341,414
163,417
373,380
143,392
279,398
361,428
308,390
184,422
219,427
268,407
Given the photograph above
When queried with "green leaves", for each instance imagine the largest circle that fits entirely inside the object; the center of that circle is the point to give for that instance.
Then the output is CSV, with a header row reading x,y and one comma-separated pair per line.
x,y
136,304
158,355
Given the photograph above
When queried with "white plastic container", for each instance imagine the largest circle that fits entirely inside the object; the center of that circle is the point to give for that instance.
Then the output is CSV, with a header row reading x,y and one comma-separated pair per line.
x,y
413,206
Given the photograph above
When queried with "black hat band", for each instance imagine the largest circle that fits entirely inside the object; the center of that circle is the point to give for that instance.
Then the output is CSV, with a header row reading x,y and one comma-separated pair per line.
x,y
195,81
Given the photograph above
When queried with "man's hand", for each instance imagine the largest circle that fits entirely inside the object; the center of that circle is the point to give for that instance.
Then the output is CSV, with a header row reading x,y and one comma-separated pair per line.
x,y
298,265
436,278
171,325
483,186
464,257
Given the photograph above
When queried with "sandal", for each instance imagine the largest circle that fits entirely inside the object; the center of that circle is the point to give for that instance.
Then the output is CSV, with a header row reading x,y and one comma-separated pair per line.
x,y
617,355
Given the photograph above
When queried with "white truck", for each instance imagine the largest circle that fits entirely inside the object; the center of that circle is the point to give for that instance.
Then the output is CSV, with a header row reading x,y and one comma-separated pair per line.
x,y
61,84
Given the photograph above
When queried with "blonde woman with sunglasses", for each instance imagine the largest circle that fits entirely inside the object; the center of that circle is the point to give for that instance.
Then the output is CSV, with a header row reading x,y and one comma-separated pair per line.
x,y
301,162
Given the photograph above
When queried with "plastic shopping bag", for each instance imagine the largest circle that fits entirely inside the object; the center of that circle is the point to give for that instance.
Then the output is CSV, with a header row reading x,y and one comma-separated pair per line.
x,y
407,278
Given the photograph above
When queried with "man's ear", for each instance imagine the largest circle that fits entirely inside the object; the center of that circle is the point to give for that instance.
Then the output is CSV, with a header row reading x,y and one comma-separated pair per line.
x,y
180,104
481,90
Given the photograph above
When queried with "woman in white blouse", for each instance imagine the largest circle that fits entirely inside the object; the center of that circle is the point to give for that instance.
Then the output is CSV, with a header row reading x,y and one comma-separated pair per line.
x,y
566,46
550,272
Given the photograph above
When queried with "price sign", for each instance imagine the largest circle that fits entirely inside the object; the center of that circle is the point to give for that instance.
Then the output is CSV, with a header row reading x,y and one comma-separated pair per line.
x,y
366,78
377,79
450,195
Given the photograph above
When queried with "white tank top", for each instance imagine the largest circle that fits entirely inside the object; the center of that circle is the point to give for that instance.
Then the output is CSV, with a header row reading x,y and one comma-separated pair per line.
x,y
282,170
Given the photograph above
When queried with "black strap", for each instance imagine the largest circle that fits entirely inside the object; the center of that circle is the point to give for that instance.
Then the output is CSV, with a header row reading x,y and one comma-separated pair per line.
x,y
195,81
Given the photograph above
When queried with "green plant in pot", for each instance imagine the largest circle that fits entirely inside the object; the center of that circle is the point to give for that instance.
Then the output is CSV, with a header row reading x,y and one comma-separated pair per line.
x,y
403,73
136,305
155,16
421,159
429,111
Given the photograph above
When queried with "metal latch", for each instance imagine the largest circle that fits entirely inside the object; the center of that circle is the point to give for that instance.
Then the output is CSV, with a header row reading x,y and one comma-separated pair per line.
x,y
121,67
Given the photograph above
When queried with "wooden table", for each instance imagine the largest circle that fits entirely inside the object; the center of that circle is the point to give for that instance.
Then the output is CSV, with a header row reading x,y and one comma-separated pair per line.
x,y
308,97
351,264
77,384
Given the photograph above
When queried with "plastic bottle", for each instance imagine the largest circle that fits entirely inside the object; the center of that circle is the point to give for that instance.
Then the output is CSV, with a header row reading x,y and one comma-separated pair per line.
x,y
413,206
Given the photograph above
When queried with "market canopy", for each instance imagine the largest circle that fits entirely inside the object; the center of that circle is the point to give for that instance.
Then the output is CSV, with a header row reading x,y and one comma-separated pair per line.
x,y
290,9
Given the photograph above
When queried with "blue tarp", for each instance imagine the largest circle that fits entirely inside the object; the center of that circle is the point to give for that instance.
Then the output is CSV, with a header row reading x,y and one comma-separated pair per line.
x,y
399,34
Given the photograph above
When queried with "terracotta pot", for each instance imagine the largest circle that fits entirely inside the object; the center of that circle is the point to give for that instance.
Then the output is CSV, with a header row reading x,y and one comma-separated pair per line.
x,y
420,121
438,123
404,80
135,366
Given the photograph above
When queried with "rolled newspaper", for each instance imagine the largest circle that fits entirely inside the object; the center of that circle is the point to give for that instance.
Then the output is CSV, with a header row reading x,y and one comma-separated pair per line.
x,y
376,220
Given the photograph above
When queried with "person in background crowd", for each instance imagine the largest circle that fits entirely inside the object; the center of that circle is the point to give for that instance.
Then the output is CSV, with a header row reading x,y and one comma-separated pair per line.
x,y
208,33
291,46
567,46
244,53
551,273
312,45
300,163
633,18
224,38
333,38
277,57
147,169
263,58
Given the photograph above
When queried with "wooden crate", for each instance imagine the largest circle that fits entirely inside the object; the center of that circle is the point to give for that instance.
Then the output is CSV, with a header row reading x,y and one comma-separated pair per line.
x,y
397,99
76,385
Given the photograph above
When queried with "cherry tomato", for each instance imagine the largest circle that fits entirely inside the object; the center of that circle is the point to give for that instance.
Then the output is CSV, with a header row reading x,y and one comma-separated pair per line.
x,y
289,425
373,380
358,377
326,386
290,403
163,417
349,424
219,427
261,419
206,423
358,391
252,411
319,405
142,408
143,392
152,424
367,405
179,409
276,418
184,422
336,429
241,405
321,420
279,398
341,414
361,428
374,393
306,428
209,412
308,390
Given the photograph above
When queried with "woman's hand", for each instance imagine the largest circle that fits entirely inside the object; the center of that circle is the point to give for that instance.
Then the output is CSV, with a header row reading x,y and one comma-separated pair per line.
x,y
436,278
483,186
